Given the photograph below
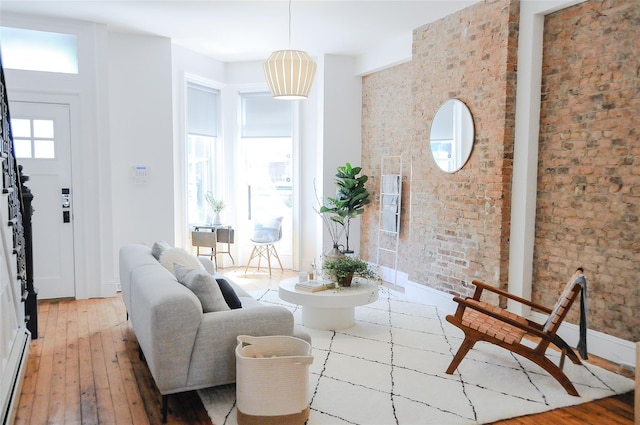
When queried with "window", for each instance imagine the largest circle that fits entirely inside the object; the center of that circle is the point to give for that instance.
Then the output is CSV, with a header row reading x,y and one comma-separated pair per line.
x,y
33,138
39,50
267,144
204,151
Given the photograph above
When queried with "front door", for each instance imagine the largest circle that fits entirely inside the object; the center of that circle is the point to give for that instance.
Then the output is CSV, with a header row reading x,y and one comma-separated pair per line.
x,y
42,144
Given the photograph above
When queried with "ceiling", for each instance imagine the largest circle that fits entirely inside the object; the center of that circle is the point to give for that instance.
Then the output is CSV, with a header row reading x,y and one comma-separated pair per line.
x,y
240,30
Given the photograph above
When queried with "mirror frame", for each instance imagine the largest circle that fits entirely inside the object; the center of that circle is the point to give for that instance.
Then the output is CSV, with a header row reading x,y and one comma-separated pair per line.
x,y
452,135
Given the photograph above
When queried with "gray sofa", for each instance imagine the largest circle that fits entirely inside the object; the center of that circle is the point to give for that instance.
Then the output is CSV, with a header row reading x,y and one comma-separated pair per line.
x,y
185,348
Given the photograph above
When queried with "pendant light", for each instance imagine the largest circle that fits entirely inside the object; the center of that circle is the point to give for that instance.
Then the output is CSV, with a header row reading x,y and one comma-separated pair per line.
x,y
289,73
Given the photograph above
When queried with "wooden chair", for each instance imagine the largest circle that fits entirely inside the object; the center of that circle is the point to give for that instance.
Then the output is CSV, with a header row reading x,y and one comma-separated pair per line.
x,y
484,322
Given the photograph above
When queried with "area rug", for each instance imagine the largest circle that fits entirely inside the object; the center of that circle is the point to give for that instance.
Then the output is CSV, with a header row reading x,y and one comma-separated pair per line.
x,y
389,369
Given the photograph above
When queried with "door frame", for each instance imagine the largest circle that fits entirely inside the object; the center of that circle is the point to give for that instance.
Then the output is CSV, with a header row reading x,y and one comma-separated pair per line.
x,y
80,257
48,217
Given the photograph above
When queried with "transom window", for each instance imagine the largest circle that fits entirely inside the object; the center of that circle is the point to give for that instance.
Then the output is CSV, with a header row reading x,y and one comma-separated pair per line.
x,y
32,50
33,138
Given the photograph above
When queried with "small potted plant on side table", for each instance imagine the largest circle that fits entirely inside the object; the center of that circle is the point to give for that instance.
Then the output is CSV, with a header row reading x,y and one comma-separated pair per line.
x,y
217,205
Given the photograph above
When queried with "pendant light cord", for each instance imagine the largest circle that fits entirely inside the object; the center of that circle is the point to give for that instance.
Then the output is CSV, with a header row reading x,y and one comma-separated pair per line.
x,y
289,24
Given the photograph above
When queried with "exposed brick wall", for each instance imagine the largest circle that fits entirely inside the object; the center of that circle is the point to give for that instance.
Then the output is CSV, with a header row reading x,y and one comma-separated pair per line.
x,y
454,227
588,205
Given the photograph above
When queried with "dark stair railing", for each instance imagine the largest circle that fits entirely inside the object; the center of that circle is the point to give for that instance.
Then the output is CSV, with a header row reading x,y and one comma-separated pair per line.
x,y
19,199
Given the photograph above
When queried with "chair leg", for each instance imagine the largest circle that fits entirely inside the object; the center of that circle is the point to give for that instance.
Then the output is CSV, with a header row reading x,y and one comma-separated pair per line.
x,y
275,254
566,349
251,257
268,252
466,345
260,254
556,372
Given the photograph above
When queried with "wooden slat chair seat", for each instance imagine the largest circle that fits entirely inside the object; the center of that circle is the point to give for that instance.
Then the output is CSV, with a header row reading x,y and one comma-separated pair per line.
x,y
481,321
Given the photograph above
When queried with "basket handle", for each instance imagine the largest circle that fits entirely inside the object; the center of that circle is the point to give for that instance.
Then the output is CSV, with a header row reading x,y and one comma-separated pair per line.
x,y
304,360
244,340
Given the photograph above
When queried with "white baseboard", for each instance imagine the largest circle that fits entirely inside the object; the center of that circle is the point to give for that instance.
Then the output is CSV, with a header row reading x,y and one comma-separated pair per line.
x,y
608,347
13,376
109,289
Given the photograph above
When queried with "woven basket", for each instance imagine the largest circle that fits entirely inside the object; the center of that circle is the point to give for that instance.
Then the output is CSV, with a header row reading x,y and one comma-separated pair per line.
x,y
272,380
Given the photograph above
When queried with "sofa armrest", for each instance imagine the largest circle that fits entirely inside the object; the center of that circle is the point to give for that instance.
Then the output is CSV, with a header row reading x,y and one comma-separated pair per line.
x,y
167,317
213,357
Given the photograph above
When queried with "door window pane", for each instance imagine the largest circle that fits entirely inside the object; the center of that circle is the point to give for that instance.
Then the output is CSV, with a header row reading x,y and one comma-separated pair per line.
x,y
43,149
43,128
22,148
21,128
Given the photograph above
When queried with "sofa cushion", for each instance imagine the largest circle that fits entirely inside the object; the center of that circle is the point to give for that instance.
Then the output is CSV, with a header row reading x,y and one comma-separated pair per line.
x,y
204,286
229,294
158,248
171,256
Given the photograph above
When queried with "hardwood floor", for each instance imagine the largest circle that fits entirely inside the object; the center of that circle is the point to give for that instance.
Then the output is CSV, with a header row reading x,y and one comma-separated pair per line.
x,y
84,369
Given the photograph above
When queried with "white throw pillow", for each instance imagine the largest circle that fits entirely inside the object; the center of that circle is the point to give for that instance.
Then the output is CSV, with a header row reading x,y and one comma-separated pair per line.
x,y
204,286
171,256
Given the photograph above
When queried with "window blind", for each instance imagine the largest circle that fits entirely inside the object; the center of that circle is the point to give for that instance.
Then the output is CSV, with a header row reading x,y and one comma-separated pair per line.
x,y
264,116
202,110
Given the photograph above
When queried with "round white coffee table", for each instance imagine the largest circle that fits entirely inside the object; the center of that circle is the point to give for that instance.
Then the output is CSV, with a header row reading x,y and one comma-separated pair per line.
x,y
329,309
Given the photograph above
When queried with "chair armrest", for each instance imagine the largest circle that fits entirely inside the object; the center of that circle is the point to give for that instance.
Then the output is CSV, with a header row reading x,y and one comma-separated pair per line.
x,y
482,286
526,327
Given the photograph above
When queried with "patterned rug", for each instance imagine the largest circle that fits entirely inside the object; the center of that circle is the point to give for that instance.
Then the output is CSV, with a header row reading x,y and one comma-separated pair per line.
x,y
389,369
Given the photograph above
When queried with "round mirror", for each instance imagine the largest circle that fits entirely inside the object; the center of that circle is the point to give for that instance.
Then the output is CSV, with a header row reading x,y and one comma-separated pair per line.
x,y
452,135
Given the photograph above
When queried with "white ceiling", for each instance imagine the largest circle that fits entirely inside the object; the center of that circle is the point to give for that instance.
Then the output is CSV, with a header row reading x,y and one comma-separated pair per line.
x,y
240,30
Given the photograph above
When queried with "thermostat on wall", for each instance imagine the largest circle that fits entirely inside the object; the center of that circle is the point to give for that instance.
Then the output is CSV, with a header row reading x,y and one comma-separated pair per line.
x,y
140,174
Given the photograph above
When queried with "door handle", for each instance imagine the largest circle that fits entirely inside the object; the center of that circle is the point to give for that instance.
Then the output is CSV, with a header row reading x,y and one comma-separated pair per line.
x,y
65,201
65,198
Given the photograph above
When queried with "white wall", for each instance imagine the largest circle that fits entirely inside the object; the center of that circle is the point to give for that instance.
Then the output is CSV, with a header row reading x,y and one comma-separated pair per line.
x,y
141,131
341,128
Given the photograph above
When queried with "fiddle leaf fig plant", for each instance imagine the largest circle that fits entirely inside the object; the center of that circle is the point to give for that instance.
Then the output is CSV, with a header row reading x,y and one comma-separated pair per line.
x,y
350,200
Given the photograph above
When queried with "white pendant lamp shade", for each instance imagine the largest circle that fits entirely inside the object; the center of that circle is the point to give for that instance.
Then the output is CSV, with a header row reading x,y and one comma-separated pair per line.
x,y
290,74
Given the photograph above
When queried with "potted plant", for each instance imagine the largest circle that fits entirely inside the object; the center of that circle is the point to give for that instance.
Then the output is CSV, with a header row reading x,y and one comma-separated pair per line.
x,y
216,205
351,198
343,269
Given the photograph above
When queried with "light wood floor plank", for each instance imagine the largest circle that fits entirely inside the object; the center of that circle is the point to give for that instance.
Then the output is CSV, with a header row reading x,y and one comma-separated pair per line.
x,y
106,414
40,408
120,339
88,397
57,390
72,412
108,324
